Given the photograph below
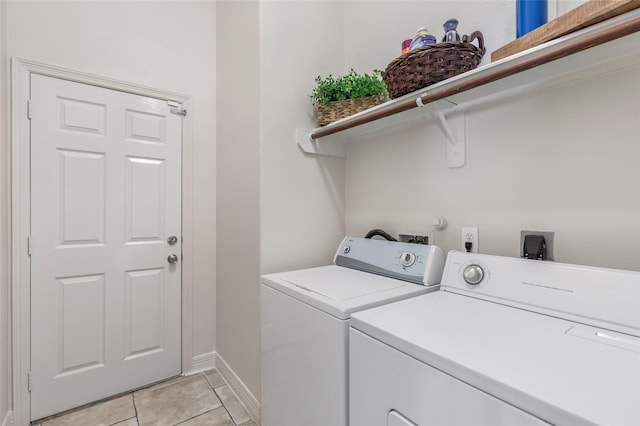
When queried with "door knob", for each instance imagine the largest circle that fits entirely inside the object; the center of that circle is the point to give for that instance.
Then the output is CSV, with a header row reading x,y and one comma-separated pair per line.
x,y
173,258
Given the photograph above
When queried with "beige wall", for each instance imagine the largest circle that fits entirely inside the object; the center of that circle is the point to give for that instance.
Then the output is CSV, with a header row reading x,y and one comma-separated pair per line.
x,y
564,159
374,39
5,282
302,197
277,209
168,45
563,6
238,154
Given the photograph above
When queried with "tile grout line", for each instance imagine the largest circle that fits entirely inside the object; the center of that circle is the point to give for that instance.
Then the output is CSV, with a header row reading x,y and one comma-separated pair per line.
x,y
195,417
218,396
194,376
225,407
233,393
135,408
213,409
222,402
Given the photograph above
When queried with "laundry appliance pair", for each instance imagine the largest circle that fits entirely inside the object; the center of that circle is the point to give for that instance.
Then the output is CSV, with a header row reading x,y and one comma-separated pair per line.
x,y
375,341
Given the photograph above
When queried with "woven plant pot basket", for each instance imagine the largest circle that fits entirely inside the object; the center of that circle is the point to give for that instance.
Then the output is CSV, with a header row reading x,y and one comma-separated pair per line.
x,y
432,63
326,114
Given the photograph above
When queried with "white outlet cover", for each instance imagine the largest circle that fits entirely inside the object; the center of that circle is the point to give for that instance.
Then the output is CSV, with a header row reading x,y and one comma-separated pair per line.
x,y
472,233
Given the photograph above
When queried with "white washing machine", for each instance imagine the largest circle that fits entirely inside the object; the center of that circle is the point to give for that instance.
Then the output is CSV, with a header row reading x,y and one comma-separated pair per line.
x,y
305,324
504,341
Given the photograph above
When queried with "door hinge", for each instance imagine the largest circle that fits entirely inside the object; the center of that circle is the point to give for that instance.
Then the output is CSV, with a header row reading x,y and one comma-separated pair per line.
x,y
29,381
176,108
29,245
29,109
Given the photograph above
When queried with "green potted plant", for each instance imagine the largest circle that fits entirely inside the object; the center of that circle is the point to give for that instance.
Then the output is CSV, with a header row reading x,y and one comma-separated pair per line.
x,y
336,98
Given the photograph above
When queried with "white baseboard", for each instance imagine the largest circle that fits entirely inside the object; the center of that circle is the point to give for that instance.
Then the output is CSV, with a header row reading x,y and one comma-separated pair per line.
x,y
8,419
239,388
201,363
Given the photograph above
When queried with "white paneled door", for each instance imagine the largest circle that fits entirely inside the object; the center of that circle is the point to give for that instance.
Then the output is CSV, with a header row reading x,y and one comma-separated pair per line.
x,y
105,203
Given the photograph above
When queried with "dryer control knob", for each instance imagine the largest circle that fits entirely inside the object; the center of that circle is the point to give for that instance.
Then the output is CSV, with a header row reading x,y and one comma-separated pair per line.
x,y
473,274
407,259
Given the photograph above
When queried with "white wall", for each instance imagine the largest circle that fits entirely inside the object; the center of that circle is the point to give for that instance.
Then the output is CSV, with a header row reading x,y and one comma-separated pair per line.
x,y
564,159
5,282
373,39
302,197
169,45
238,146
563,6
269,54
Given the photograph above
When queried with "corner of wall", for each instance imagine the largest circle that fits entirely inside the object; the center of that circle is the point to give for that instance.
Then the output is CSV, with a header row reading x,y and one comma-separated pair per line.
x,y
243,393
237,189
5,311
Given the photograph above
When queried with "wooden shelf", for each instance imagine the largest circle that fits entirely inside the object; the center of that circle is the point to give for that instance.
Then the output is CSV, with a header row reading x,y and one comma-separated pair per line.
x,y
583,16
596,50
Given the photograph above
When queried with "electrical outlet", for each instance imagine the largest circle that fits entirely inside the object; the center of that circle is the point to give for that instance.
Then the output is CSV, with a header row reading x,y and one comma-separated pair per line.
x,y
469,235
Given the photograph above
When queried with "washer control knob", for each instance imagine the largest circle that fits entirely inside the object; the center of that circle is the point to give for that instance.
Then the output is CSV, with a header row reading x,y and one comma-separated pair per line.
x,y
407,259
473,274
346,249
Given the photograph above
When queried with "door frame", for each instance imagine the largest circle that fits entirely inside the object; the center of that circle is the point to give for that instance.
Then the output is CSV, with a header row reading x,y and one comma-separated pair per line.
x,y
21,216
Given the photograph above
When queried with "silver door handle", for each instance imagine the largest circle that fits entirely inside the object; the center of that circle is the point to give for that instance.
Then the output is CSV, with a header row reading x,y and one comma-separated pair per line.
x,y
173,258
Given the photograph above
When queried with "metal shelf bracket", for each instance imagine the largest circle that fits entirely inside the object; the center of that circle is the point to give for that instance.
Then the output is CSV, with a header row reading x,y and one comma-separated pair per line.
x,y
328,147
454,128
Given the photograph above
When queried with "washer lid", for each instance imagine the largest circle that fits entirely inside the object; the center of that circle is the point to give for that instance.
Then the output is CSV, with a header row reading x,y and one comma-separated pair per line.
x,y
558,370
341,291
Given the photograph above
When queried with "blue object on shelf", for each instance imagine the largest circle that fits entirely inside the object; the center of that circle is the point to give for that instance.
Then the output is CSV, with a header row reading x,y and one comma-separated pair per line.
x,y
450,33
422,38
530,14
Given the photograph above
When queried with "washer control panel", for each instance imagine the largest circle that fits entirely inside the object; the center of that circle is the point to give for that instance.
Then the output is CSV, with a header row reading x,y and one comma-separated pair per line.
x,y
408,262
550,288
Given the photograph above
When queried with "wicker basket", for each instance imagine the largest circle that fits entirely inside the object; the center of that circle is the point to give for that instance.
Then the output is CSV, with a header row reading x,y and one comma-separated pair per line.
x,y
326,114
432,63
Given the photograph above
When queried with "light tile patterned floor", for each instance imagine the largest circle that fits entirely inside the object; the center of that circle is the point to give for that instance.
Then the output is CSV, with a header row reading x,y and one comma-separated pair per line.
x,y
198,400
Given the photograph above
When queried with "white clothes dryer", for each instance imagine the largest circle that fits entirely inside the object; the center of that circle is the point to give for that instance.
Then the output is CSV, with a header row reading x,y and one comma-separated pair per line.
x,y
305,324
505,341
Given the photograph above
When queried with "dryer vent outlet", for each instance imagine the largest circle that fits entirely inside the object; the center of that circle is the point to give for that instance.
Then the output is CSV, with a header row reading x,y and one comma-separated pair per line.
x,y
414,239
